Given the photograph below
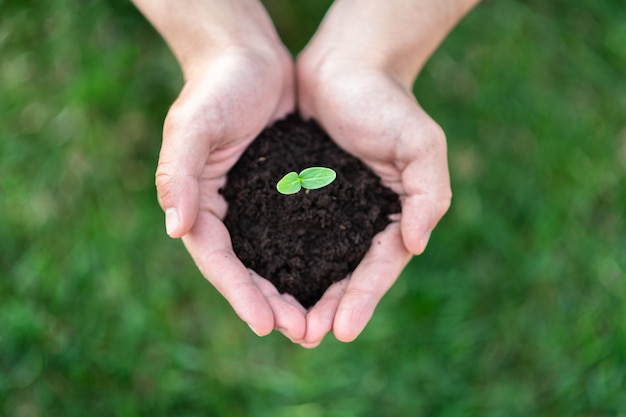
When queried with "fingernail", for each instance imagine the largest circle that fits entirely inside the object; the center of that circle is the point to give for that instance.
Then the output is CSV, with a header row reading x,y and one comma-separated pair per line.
x,y
310,345
253,331
425,239
172,220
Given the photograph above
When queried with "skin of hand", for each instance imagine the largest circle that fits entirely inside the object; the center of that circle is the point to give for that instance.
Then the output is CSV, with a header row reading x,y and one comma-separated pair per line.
x,y
355,78
239,78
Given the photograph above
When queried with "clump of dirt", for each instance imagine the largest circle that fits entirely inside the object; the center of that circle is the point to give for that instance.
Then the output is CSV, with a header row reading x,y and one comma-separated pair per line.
x,y
303,242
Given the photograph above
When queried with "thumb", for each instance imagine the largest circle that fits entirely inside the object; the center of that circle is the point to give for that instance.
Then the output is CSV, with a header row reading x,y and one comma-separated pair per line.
x,y
427,184
179,197
183,155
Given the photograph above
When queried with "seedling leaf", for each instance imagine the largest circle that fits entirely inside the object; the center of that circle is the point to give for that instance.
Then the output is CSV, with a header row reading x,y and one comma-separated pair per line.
x,y
289,184
310,178
317,177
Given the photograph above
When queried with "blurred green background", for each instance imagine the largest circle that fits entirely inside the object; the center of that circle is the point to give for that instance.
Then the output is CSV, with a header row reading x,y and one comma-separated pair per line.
x,y
517,308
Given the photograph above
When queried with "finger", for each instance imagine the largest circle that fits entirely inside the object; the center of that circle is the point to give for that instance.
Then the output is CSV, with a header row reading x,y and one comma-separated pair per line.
x,y
201,142
421,212
178,196
209,244
426,183
371,279
184,152
319,320
289,315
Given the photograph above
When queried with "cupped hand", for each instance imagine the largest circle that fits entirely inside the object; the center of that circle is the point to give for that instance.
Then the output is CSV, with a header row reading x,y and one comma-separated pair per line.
x,y
372,114
355,79
221,109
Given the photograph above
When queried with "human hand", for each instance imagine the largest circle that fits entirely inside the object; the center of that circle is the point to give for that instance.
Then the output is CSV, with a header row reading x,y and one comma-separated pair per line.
x,y
238,81
374,117
355,79
211,123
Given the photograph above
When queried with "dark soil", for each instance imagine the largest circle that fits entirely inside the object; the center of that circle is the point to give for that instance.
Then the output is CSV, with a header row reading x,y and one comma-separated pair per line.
x,y
306,241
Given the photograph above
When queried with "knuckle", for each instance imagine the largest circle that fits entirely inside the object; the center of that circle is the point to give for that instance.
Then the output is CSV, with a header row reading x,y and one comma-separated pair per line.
x,y
443,204
435,132
165,185
162,176
441,201
362,296
424,141
176,119
433,138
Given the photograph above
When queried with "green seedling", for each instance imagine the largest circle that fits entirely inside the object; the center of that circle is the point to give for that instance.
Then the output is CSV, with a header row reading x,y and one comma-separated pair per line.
x,y
310,178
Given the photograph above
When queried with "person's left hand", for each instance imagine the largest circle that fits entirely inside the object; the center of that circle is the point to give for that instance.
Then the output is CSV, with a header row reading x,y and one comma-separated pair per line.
x,y
374,116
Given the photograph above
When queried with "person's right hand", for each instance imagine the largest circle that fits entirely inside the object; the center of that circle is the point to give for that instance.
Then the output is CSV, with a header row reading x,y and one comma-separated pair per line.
x,y
211,123
239,79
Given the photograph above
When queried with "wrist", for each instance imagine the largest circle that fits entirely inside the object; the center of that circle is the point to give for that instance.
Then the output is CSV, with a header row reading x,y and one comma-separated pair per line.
x,y
198,32
395,36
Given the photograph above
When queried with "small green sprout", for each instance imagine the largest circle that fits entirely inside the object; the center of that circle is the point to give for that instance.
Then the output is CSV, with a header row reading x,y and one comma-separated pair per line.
x,y
310,178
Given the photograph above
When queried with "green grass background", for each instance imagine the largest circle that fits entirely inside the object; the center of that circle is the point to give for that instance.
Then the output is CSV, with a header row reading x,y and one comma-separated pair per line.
x,y
517,308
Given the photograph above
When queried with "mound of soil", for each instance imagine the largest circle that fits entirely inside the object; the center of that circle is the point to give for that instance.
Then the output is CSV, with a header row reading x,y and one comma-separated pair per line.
x,y
303,242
